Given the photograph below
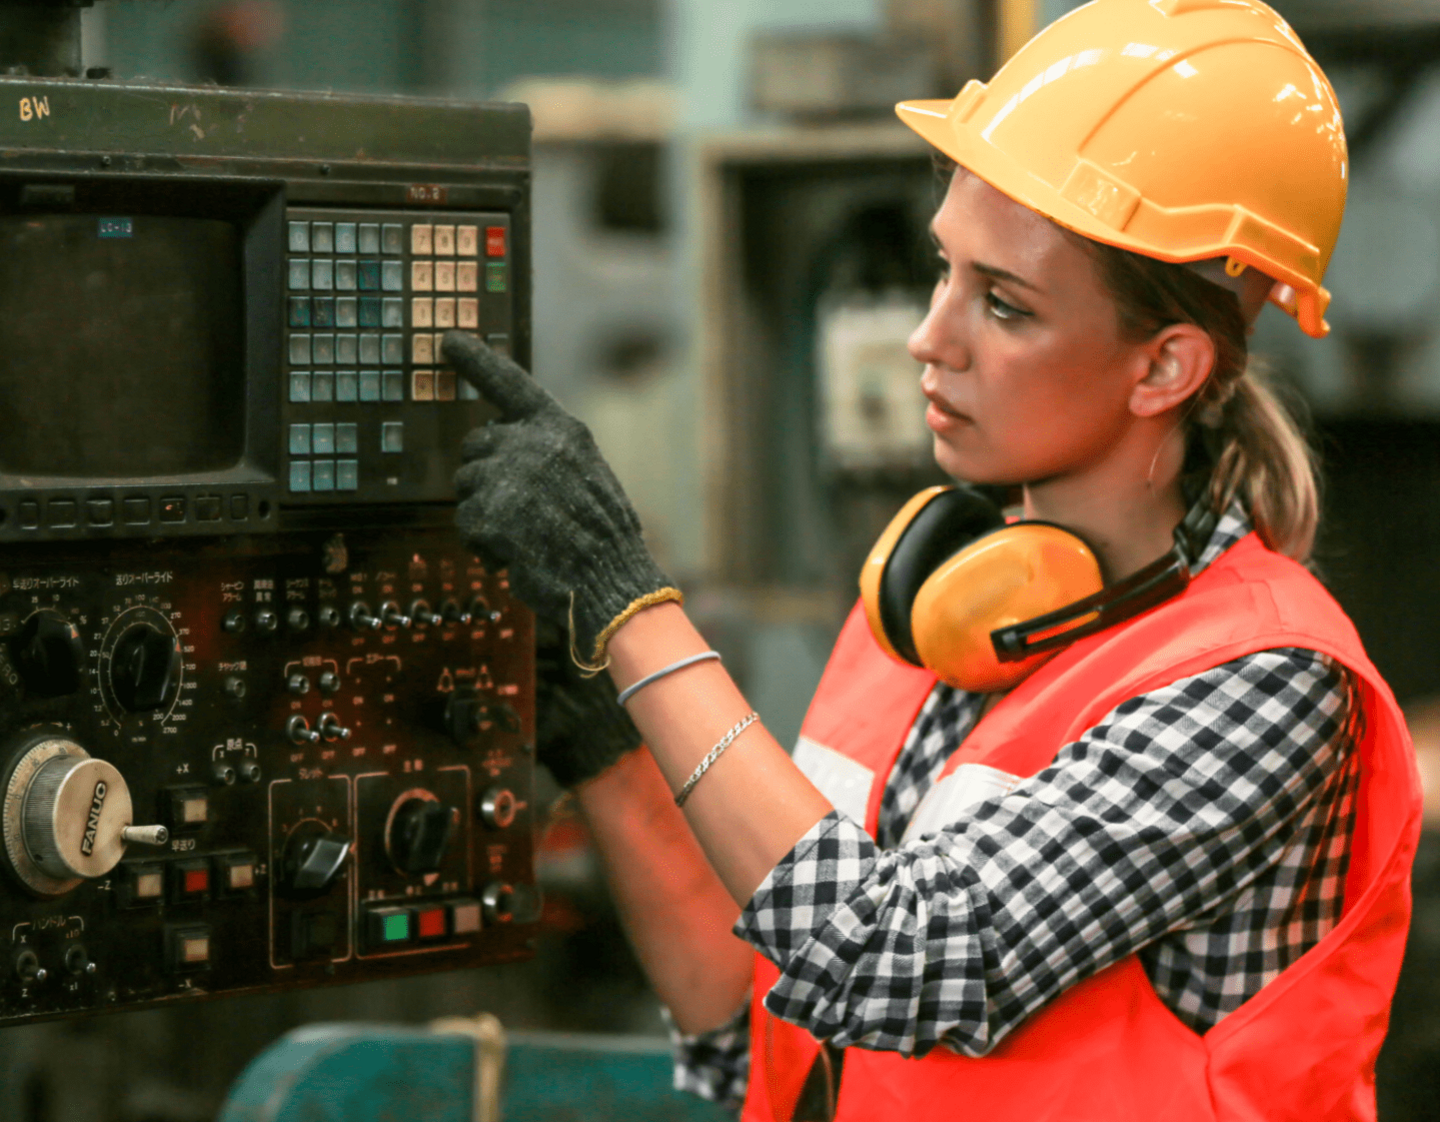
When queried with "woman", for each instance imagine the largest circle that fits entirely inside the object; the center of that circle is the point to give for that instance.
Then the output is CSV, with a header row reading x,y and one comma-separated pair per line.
x,y
1185,897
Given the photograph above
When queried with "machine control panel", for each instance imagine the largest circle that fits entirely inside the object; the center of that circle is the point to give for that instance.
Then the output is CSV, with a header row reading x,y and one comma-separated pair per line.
x,y
259,762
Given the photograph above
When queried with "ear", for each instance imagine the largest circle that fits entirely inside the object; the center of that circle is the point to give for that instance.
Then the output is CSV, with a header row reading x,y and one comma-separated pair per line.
x,y
1180,360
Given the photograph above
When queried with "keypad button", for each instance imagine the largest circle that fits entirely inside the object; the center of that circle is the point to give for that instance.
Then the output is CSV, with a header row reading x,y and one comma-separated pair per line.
x,y
322,477
61,514
393,312
467,313
445,385
322,275
322,440
422,385
347,385
392,238
207,508
347,475
422,311
369,385
444,313
392,276
172,508
494,241
324,350
300,386
369,241
324,387
393,386
370,276
345,276
444,276
299,440
299,237
100,512
422,239
496,277
422,276
347,438
369,311
299,311
322,237
467,276
467,241
422,350
392,436
136,512
327,311
299,476
392,350
345,237
299,350
239,507
444,241
345,350
30,514
500,344
370,350
299,273
465,917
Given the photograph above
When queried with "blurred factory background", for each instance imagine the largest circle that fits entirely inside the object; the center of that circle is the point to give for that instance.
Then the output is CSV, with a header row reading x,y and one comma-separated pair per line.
x,y
729,253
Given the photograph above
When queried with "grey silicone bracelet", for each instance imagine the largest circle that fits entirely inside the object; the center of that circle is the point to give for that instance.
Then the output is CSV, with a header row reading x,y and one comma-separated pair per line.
x,y
630,691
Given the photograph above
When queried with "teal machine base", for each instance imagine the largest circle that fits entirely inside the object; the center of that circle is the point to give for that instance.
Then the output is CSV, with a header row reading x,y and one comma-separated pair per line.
x,y
460,1071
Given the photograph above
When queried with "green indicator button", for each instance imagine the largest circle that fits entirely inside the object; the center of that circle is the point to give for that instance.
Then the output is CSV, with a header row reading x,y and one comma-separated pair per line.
x,y
395,928
495,279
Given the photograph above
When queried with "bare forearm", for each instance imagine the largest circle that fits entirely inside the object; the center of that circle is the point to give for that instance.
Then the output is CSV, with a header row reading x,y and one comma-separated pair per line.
x,y
677,913
753,804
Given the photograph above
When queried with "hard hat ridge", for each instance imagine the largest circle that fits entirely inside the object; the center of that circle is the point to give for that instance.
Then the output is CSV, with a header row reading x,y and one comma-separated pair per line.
x,y
1180,129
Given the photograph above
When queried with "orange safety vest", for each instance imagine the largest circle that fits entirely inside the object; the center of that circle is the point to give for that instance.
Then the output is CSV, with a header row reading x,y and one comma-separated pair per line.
x,y
1108,1050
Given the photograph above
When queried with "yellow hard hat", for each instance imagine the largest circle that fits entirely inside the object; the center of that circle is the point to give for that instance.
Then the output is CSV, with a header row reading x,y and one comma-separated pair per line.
x,y
1180,129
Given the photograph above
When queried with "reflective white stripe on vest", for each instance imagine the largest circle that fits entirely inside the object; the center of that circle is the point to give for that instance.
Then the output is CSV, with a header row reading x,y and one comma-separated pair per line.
x,y
840,779
946,802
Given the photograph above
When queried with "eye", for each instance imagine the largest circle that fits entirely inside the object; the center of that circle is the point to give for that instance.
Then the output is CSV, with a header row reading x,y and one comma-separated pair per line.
x,y
1004,311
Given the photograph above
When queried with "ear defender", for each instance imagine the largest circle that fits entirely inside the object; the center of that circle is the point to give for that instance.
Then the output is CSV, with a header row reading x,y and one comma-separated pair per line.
x,y
983,604
948,574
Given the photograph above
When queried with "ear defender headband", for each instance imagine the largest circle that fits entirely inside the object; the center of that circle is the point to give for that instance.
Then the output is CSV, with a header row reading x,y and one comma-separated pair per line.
x,y
951,587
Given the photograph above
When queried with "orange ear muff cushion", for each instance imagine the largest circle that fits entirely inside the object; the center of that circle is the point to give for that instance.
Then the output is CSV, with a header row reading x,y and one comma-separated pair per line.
x,y
935,524
1010,575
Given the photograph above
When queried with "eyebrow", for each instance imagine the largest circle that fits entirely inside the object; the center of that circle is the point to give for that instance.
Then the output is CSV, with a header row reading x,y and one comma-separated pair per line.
x,y
994,272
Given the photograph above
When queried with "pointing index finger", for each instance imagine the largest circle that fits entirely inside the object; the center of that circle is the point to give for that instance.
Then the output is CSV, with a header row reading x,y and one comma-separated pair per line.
x,y
500,381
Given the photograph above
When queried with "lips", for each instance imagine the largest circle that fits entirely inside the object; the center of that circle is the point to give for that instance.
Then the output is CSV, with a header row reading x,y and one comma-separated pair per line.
x,y
939,415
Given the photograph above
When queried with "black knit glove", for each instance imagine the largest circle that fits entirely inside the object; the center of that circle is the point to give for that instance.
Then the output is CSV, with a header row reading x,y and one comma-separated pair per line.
x,y
581,729
538,498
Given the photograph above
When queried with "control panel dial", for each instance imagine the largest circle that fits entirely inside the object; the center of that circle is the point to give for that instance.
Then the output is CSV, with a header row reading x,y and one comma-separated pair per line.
x,y
314,859
67,817
418,832
49,655
141,663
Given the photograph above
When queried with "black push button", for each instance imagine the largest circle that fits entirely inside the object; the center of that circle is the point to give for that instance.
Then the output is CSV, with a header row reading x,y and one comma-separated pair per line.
x,y
207,508
239,507
314,934
172,509
29,515
186,808
101,512
60,514
140,886
188,948
136,511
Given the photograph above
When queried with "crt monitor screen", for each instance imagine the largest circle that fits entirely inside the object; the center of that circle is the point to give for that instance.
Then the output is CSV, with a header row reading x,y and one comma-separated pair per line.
x,y
121,346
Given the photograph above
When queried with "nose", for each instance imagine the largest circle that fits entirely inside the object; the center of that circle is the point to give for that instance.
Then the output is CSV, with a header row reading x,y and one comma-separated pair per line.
x,y
938,340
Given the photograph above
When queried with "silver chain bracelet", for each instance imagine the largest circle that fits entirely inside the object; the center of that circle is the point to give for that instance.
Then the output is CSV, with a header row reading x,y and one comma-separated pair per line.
x,y
714,754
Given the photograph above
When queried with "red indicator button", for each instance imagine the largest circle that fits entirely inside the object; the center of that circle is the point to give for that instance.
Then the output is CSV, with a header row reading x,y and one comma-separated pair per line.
x,y
494,241
197,881
431,922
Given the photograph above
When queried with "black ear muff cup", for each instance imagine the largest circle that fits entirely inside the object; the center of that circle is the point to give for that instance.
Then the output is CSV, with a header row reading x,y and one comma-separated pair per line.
x,y
941,528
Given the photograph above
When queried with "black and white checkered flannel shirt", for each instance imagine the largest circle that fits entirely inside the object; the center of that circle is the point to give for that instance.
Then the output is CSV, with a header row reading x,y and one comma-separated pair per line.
x,y
1205,825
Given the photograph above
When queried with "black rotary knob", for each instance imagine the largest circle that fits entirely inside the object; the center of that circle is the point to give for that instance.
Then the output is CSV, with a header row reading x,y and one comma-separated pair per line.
x,y
145,668
49,655
312,861
419,834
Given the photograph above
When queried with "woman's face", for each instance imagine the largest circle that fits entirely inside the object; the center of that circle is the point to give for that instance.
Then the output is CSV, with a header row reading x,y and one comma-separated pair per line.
x,y
1026,371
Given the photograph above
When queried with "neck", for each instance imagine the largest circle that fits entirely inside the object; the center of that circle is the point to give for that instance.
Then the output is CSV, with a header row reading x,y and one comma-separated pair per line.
x,y
1126,507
